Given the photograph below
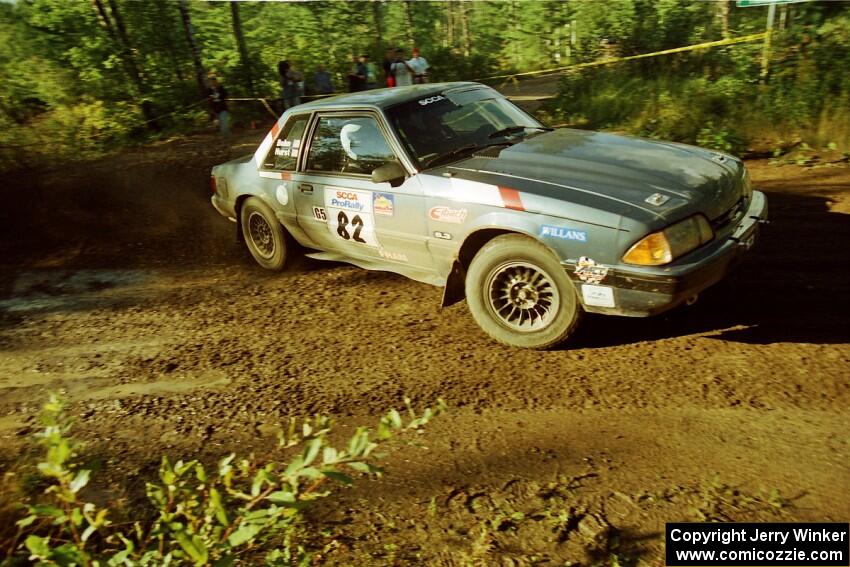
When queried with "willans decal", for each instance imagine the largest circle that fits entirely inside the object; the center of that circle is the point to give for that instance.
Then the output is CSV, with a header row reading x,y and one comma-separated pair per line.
x,y
563,233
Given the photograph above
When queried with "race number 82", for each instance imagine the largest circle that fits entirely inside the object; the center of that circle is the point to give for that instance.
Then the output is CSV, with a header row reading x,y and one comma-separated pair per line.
x,y
356,224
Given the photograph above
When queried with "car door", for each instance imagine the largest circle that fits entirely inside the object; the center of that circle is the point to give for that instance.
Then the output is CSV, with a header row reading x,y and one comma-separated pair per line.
x,y
342,210
278,175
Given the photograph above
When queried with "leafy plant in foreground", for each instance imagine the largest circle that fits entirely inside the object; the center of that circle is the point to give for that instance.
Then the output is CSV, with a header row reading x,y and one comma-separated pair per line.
x,y
222,517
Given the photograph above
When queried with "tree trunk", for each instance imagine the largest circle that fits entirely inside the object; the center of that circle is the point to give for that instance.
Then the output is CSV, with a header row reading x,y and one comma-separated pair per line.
x,y
450,28
408,23
240,42
183,6
168,29
514,34
723,13
379,34
118,34
464,21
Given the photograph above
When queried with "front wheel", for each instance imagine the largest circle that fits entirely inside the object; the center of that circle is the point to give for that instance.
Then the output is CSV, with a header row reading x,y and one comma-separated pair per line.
x,y
520,295
263,234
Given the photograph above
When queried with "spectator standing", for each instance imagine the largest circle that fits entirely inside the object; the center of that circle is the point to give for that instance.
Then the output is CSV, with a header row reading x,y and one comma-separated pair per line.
x,y
217,95
357,75
371,72
288,90
400,69
322,80
389,59
296,79
291,84
419,66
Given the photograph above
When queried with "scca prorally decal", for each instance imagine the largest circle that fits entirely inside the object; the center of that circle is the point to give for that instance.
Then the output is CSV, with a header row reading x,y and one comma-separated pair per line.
x,y
348,199
563,233
384,204
448,214
589,271
349,215
429,100
442,235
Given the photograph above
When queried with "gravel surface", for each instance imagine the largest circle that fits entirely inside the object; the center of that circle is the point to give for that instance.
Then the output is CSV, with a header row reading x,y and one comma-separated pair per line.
x,y
121,287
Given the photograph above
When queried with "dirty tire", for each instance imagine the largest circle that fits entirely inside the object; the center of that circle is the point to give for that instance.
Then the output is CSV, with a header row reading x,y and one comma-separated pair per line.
x,y
263,234
520,295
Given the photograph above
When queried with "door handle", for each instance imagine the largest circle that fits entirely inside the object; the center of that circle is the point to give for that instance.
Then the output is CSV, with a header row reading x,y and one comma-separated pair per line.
x,y
305,188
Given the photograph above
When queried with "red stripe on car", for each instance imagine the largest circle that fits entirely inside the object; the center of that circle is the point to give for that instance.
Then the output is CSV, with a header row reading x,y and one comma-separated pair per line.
x,y
275,130
511,198
285,175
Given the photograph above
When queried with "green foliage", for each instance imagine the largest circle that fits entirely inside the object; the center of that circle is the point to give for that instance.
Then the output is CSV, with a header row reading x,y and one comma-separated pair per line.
x,y
65,64
716,99
241,509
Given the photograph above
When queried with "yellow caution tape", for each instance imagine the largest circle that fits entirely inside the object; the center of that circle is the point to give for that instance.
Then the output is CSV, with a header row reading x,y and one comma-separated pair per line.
x,y
718,43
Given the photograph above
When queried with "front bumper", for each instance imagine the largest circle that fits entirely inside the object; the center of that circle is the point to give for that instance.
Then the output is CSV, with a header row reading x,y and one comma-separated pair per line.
x,y
640,292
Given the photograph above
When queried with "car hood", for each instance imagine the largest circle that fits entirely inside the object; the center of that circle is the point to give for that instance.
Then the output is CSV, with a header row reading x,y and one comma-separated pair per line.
x,y
596,169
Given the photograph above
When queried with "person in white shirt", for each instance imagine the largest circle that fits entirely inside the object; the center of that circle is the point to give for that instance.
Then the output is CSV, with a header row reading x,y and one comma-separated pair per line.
x,y
401,70
419,66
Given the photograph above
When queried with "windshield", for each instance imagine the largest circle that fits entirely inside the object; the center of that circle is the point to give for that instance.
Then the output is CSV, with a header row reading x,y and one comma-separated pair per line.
x,y
443,125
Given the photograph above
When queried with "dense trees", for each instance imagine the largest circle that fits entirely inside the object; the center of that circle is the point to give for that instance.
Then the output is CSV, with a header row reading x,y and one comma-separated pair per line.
x,y
86,73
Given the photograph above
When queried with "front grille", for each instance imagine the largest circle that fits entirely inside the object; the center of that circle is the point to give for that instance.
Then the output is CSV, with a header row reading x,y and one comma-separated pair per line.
x,y
730,216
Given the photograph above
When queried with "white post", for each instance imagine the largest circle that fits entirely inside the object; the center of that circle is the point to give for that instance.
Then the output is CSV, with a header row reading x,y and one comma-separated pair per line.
x,y
765,56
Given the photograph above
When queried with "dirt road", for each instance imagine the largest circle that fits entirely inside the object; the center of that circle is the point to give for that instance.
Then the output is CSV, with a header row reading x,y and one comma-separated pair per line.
x,y
122,287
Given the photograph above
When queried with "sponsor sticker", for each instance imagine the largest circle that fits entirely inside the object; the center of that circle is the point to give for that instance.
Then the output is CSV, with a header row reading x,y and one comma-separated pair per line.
x,y
430,100
563,233
319,214
392,255
589,271
598,295
442,235
348,199
349,215
448,214
282,194
383,204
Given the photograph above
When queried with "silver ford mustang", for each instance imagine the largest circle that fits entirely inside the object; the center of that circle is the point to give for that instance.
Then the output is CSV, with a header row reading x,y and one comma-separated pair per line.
x,y
452,185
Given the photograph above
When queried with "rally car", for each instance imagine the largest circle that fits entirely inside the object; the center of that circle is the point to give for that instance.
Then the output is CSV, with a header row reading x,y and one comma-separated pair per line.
x,y
452,185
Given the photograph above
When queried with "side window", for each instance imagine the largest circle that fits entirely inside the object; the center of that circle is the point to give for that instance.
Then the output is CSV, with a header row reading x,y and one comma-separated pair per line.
x,y
348,145
284,152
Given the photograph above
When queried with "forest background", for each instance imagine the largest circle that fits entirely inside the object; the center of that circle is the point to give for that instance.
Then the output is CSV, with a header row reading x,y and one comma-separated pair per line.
x,y
82,77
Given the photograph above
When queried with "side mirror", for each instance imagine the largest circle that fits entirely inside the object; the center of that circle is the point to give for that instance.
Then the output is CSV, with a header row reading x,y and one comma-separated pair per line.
x,y
392,172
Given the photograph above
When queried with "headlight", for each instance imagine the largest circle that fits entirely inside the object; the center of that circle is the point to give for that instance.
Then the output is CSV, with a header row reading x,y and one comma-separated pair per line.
x,y
674,241
746,185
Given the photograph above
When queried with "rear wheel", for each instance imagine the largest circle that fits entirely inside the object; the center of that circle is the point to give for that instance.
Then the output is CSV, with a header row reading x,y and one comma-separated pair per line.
x,y
520,295
263,234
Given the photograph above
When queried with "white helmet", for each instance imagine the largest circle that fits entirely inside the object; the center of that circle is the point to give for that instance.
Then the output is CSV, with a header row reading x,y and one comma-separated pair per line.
x,y
349,139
